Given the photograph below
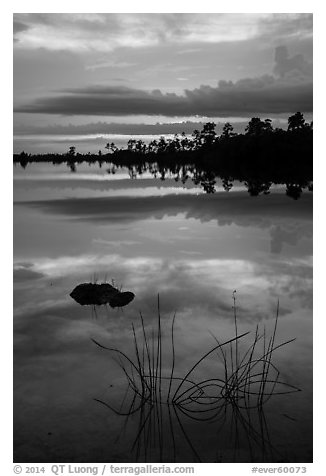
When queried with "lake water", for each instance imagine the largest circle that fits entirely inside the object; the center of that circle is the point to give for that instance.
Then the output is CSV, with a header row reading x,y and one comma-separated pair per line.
x,y
193,250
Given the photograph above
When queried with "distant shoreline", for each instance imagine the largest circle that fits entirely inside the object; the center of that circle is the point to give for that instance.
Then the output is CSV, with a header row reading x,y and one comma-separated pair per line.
x,y
260,157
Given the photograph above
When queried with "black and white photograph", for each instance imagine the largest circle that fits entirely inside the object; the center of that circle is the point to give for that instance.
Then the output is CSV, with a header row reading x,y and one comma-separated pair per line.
x,y
162,237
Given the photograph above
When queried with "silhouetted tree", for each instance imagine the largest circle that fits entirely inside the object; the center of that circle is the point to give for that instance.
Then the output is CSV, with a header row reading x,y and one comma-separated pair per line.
x,y
196,138
111,147
296,121
140,146
72,151
152,146
162,144
227,131
208,134
185,143
259,157
257,127
176,143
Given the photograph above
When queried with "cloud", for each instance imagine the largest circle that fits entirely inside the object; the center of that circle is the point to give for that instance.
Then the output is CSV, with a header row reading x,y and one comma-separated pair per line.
x,y
107,32
163,50
295,67
288,91
247,96
286,27
100,128
58,138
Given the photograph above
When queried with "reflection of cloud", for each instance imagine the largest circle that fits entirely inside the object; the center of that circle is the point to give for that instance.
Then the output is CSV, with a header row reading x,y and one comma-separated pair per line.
x,y
202,286
288,233
24,272
221,206
58,370
116,244
191,253
19,27
76,186
292,278
197,289
237,208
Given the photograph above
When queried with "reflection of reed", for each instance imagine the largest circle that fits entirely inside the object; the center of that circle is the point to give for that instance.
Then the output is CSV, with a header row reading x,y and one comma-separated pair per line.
x,y
233,402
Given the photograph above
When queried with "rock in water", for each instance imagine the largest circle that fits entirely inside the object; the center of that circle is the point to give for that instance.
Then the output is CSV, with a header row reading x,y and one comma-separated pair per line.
x,y
121,299
98,294
89,293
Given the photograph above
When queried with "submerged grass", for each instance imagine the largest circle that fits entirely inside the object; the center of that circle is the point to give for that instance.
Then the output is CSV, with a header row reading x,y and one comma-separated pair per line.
x,y
248,379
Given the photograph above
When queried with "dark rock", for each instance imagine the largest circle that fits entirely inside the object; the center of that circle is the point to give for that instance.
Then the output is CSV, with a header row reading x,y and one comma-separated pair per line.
x,y
98,294
121,299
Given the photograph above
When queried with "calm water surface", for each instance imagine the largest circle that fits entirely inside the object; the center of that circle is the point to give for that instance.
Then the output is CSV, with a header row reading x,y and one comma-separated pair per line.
x,y
193,249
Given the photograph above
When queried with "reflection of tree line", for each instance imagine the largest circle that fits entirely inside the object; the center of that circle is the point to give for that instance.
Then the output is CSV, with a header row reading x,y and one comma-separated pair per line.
x,y
258,158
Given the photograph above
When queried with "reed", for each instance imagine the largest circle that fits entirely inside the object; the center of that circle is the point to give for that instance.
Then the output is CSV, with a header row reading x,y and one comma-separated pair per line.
x,y
246,378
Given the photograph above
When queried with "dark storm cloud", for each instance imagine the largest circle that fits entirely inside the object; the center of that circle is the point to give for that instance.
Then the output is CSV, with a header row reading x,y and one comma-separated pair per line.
x,y
247,96
162,50
289,91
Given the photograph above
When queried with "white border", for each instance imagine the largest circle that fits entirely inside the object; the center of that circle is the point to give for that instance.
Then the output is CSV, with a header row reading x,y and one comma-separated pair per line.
x,y
167,6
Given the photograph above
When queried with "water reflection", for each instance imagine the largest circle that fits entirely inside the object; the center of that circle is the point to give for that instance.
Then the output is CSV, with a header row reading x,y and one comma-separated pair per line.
x,y
285,222
98,294
206,178
194,251
234,396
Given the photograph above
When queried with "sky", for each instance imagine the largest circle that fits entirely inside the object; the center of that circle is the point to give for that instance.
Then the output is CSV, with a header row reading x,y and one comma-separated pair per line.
x,y
74,70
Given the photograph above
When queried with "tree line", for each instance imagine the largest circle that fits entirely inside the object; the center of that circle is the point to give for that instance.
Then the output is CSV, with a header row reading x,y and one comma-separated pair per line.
x,y
261,155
